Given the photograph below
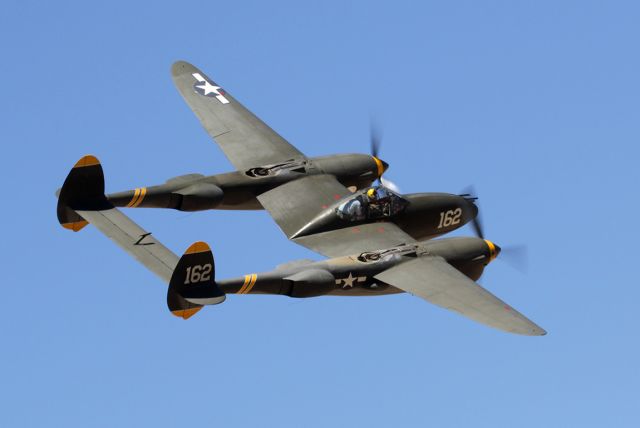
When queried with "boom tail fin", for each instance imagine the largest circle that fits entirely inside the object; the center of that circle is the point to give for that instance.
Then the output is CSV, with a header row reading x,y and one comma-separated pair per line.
x,y
193,283
83,190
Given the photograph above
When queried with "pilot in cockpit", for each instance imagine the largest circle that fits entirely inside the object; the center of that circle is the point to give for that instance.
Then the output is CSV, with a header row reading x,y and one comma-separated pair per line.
x,y
375,202
378,201
375,210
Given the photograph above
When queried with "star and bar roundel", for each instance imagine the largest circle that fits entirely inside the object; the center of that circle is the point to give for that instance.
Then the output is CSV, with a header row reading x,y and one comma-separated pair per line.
x,y
205,88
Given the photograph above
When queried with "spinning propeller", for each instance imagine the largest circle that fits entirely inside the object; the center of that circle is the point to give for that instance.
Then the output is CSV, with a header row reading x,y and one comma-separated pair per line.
x,y
375,136
515,256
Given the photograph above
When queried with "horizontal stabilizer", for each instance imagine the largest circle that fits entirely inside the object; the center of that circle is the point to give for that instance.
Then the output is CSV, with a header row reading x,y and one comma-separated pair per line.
x,y
134,240
190,277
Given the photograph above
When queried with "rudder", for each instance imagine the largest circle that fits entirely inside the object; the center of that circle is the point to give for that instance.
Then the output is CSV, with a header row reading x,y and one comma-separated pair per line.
x,y
82,190
193,283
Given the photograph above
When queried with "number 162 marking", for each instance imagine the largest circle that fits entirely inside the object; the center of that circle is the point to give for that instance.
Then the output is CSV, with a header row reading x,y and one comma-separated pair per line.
x,y
198,273
450,218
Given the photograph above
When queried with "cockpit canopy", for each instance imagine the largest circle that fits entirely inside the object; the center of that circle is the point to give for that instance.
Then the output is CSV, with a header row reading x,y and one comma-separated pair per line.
x,y
372,203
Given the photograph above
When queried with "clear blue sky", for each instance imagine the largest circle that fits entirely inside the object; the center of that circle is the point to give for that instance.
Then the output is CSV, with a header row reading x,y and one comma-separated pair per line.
x,y
535,103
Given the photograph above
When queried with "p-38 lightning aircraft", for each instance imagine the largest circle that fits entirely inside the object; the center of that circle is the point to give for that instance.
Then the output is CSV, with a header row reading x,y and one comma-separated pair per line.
x,y
372,248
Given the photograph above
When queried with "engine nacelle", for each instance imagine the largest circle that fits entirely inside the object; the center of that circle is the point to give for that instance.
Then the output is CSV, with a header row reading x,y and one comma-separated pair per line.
x,y
355,170
198,197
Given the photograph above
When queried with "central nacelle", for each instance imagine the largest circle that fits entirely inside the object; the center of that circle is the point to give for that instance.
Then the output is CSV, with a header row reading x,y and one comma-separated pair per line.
x,y
421,215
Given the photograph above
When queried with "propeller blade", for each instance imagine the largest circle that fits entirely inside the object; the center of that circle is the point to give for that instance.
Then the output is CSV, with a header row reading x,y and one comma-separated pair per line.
x,y
470,193
516,256
375,136
477,226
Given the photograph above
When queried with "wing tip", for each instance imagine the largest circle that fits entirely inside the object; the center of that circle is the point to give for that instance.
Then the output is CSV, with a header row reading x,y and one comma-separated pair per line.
x,y
540,332
529,330
182,67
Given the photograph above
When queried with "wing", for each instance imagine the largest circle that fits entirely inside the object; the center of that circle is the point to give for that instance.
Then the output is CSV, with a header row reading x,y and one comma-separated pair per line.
x,y
245,140
356,239
134,240
294,204
436,281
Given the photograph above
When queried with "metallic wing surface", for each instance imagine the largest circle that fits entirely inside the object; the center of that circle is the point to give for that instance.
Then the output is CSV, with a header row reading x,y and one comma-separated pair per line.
x,y
245,140
294,204
436,281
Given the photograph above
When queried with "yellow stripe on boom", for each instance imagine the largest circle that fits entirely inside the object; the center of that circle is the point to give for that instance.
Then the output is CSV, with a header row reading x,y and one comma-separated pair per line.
x,y
254,277
143,193
247,278
249,282
136,194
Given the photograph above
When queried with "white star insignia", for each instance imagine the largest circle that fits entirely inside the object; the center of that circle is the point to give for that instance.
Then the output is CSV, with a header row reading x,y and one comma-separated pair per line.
x,y
348,281
208,88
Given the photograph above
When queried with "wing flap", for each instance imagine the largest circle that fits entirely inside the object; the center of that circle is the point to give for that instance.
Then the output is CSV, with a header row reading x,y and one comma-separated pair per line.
x,y
245,140
436,281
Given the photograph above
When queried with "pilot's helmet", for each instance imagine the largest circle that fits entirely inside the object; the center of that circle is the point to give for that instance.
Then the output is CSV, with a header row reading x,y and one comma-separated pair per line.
x,y
371,193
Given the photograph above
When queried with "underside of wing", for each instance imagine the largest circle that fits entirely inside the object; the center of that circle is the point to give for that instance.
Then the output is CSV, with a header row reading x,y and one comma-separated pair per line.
x,y
436,281
245,140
